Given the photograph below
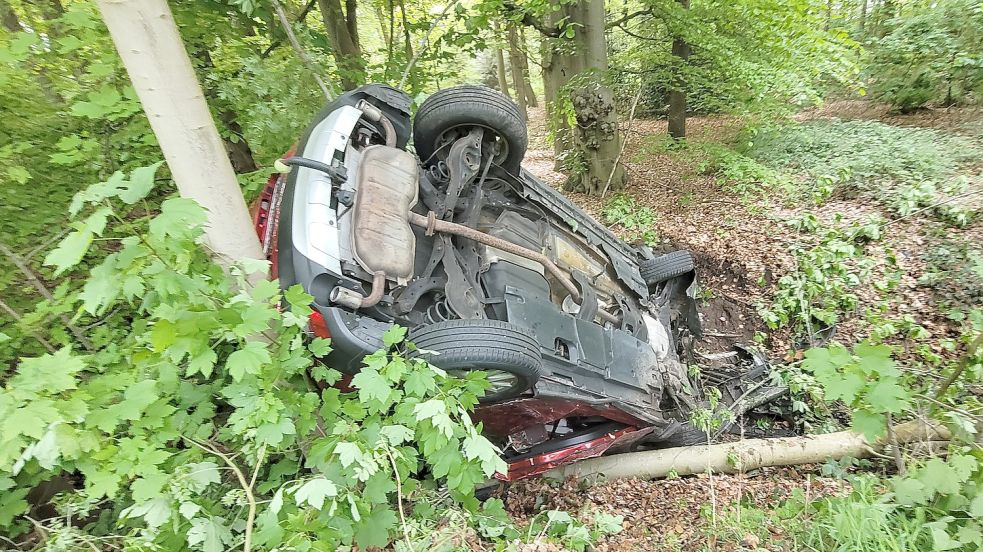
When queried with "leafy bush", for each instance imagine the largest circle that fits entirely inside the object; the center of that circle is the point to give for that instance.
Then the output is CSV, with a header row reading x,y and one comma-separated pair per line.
x,y
904,168
823,285
931,56
204,400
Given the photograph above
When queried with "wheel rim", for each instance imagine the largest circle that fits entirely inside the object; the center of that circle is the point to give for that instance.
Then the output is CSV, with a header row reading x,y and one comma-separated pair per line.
x,y
442,143
500,380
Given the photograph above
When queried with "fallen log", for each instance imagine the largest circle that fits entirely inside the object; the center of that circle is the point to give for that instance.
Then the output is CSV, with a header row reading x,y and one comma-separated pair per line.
x,y
742,456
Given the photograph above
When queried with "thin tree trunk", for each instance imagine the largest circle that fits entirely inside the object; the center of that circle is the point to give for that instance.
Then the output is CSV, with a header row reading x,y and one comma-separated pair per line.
x,y
526,80
677,94
16,316
148,42
503,83
863,15
8,18
281,14
407,39
515,61
829,15
383,28
342,31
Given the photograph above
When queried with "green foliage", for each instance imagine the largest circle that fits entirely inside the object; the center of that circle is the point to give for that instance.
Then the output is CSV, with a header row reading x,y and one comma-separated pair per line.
x,y
637,222
208,375
738,173
906,169
747,56
828,272
867,381
931,55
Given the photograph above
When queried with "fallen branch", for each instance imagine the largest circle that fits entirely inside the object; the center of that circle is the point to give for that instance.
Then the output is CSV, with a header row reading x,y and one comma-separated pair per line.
x,y
747,455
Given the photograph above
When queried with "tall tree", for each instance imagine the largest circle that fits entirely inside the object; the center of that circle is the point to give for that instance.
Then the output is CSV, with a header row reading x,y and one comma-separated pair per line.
x,y
518,78
341,26
150,46
575,74
503,83
8,18
531,100
677,92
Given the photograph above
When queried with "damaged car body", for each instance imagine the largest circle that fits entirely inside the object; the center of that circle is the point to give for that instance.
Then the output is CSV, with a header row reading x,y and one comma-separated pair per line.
x,y
580,334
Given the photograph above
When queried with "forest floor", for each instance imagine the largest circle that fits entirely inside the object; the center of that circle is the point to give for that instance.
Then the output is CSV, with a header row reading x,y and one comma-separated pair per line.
x,y
744,245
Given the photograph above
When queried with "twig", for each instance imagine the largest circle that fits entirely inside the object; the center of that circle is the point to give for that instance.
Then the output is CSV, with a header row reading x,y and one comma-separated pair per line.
x,y
423,43
17,317
399,499
247,487
963,363
895,449
301,53
949,407
30,254
276,43
43,290
624,143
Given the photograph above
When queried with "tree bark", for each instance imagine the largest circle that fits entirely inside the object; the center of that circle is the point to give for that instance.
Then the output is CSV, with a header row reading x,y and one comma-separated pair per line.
x,y
150,46
595,145
526,80
677,94
281,15
503,83
342,30
744,456
518,80
8,18
863,14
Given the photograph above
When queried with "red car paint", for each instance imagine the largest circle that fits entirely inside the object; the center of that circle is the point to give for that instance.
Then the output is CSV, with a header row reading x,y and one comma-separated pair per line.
x,y
538,464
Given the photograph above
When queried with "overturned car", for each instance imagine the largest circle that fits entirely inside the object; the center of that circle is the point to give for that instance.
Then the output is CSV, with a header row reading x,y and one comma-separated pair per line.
x,y
580,334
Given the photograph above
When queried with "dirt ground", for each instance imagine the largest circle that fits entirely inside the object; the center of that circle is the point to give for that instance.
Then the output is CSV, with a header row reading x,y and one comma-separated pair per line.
x,y
742,248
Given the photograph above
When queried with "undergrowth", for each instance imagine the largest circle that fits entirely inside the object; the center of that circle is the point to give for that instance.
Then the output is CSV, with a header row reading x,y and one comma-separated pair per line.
x,y
905,169
637,222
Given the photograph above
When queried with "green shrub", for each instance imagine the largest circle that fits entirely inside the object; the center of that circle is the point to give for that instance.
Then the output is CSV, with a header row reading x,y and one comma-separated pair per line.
x,y
931,56
904,168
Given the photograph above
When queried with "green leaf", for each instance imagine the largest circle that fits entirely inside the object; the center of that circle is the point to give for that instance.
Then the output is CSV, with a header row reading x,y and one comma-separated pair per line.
x,y
373,530
51,373
179,217
315,491
395,334
319,346
69,251
247,360
939,477
137,398
844,388
909,492
203,474
211,533
348,453
870,424
149,486
396,434
371,386
140,183
476,447
887,396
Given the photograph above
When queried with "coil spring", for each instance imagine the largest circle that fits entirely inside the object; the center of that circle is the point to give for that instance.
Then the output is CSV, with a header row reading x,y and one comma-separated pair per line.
x,y
439,312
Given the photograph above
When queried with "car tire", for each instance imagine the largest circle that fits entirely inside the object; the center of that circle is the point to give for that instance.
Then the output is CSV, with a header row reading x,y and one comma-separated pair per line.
x,y
470,105
505,350
666,267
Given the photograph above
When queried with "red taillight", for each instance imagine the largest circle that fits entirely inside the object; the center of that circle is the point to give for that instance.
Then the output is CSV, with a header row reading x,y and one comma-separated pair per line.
x,y
318,325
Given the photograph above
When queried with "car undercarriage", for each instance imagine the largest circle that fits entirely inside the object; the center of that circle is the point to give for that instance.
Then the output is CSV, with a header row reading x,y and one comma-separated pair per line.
x,y
583,337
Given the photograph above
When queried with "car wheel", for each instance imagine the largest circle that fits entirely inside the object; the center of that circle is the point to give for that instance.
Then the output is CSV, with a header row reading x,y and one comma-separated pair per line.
x,y
666,267
450,113
507,353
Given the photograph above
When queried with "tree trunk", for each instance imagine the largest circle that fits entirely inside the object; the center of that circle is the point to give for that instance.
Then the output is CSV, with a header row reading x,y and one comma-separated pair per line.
x,y
829,15
744,456
863,15
526,80
503,83
150,46
240,154
677,94
518,80
8,18
342,31
595,140
387,38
